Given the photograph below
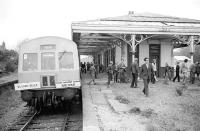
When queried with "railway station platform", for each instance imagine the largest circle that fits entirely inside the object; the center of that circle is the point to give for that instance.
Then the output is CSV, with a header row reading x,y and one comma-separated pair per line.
x,y
98,102
162,110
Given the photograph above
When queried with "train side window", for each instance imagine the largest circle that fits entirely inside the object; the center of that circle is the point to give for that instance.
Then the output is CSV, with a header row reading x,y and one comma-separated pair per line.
x,y
48,61
30,61
66,60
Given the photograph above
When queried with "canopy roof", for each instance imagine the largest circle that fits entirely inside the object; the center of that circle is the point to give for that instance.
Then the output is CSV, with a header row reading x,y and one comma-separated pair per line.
x,y
150,17
95,35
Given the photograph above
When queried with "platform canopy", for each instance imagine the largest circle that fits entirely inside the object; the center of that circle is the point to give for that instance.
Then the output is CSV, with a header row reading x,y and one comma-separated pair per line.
x,y
96,35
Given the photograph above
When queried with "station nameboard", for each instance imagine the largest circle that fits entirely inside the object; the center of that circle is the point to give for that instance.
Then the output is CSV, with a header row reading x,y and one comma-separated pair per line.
x,y
26,86
71,84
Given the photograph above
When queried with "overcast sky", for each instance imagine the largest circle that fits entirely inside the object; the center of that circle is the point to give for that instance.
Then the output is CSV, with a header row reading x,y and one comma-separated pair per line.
x,y
27,19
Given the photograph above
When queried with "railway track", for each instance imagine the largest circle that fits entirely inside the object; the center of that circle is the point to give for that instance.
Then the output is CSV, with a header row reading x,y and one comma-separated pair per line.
x,y
42,122
50,121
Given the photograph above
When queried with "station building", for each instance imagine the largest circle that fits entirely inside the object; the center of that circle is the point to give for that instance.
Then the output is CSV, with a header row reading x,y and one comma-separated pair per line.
x,y
135,36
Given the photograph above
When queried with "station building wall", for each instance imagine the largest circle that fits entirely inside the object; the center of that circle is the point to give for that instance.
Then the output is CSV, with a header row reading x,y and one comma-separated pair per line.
x,y
124,53
118,54
165,54
143,52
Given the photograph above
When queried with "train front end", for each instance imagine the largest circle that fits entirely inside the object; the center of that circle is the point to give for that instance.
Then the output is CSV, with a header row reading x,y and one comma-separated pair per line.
x,y
48,71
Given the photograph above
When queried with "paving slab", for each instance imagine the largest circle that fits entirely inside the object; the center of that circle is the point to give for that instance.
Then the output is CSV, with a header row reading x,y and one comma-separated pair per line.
x,y
90,121
98,98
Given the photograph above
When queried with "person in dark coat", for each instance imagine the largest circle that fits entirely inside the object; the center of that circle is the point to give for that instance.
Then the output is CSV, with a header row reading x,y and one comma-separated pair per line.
x,y
115,72
88,66
192,73
134,71
97,70
167,71
177,72
122,70
84,67
92,73
110,72
197,70
145,74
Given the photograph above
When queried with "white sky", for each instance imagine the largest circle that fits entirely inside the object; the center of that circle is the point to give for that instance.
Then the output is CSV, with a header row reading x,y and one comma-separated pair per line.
x,y
27,19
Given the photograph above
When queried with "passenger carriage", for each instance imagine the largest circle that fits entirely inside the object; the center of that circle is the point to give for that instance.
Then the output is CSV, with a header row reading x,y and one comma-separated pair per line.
x,y
48,71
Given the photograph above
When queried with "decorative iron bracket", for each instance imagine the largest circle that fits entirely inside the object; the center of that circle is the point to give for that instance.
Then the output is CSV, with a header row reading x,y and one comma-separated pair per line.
x,y
127,38
186,39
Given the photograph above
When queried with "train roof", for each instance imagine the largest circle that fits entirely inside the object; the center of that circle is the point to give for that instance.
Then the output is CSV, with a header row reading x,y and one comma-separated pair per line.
x,y
45,38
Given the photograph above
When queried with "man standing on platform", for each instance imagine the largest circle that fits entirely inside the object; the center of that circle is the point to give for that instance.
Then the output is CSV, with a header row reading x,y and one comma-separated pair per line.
x,y
110,72
92,73
154,73
134,71
177,72
145,74
185,71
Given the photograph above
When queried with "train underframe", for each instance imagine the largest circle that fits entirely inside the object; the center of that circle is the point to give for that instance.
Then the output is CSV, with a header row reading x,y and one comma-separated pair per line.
x,y
51,98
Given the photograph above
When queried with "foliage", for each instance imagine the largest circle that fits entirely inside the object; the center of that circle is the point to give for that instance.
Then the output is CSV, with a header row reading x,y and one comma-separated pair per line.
x,y
9,60
186,52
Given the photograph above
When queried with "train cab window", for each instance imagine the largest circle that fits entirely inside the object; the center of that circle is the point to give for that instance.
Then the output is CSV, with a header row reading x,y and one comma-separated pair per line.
x,y
48,81
52,80
66,60
48,61
30,61
44,81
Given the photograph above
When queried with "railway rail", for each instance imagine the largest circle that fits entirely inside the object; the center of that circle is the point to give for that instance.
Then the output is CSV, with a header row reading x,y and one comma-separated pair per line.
x,y
41,122
44,120
59,120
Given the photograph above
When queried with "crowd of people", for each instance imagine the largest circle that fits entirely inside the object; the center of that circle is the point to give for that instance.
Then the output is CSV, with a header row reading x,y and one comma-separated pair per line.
x,y
148,72
86,67
115,72
187,71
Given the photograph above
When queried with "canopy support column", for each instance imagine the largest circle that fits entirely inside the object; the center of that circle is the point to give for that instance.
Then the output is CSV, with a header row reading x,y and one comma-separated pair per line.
x,y
192,48
133,47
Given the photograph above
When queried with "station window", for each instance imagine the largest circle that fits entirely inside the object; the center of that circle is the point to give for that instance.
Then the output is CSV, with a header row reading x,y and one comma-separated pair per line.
x,y
30,61
48,61
66,60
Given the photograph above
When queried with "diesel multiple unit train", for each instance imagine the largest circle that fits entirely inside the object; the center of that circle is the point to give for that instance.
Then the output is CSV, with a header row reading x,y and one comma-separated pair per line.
x,y
48,71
